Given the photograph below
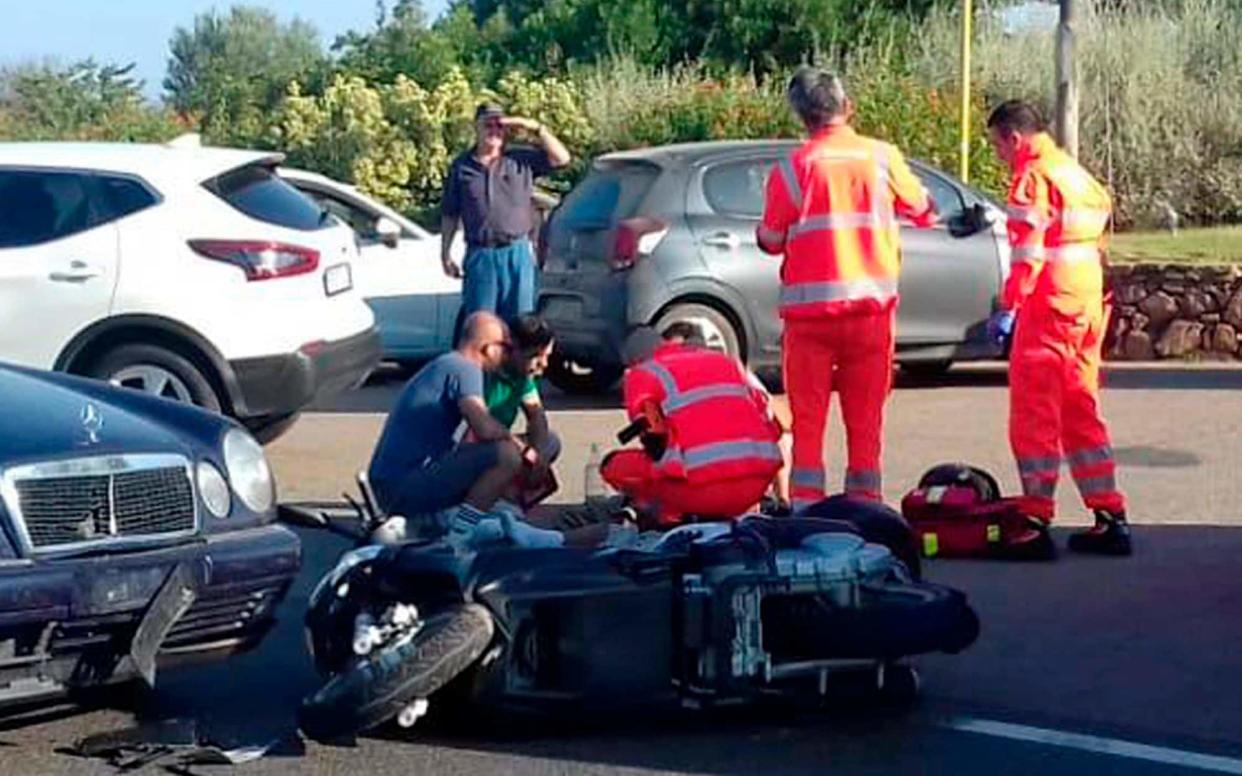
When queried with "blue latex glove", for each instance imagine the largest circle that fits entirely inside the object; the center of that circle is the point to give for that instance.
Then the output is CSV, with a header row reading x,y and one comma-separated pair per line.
x,y
1000,326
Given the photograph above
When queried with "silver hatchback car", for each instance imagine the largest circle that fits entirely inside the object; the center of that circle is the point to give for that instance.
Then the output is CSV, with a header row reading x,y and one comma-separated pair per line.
x,y
667,234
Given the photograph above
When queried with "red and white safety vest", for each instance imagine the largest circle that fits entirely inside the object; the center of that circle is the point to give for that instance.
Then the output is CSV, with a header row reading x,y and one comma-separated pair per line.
x,y
835,201
1058,221
718,423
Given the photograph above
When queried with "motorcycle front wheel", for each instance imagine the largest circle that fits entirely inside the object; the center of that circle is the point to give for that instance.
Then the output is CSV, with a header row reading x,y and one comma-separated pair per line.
x,y
374,689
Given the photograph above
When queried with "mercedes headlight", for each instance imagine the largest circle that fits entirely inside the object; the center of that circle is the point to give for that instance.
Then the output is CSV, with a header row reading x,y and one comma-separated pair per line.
x,y
214,490
248,471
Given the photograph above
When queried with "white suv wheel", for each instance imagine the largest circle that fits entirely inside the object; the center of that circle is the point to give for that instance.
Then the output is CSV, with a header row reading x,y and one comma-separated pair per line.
x,y
154,380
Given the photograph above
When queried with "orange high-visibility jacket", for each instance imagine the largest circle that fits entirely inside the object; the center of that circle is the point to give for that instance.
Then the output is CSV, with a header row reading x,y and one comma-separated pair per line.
x,y
1058,217
718,424
833,203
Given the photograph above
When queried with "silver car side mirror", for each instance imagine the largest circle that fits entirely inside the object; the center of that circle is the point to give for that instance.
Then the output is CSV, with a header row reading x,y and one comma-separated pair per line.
x,y
970,221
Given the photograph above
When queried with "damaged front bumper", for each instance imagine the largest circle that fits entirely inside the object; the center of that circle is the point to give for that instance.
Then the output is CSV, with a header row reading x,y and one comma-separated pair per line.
x,y
74,623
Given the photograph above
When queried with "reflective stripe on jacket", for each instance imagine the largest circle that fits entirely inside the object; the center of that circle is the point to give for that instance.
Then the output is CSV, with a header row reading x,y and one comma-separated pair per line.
x,y
835,200
718,424
1058,217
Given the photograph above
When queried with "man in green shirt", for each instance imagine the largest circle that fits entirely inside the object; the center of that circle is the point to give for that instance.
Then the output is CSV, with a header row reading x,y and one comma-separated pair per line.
x,y
515,386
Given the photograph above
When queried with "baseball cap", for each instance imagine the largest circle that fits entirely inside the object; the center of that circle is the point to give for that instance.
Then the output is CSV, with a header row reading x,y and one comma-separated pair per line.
x,y
489,110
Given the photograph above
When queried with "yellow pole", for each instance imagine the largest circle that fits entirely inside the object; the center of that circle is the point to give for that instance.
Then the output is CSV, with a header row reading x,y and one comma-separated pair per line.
x,y
964,151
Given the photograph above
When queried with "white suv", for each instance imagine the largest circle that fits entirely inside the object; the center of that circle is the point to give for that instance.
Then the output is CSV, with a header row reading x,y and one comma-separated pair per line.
x,y
193,273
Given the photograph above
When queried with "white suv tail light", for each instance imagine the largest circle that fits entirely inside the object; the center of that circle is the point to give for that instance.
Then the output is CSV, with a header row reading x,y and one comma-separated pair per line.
x,y
259,259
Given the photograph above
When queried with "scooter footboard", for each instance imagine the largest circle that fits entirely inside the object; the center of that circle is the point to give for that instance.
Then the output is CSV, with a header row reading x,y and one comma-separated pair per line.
x,y
580,636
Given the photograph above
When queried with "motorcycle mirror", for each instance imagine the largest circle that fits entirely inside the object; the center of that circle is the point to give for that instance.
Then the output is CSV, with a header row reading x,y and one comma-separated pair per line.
x,y
366,516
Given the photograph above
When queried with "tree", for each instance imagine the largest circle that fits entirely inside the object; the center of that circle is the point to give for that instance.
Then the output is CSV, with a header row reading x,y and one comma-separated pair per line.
x,y
551,35
228,71
402,43
82,101
754,35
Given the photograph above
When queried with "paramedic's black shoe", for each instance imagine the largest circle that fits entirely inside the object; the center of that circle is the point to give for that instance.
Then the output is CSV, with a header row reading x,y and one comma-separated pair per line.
x,y
1034,544
1109,536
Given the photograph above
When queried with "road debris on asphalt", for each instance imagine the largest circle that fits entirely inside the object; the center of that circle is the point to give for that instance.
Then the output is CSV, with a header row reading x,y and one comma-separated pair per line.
x,y
172,744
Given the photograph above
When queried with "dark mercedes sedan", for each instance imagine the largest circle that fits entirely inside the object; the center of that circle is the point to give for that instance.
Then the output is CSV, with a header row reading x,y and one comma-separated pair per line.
x,y
134,531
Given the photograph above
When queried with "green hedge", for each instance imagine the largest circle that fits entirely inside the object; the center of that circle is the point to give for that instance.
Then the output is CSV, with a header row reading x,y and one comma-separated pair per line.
x,y
395,141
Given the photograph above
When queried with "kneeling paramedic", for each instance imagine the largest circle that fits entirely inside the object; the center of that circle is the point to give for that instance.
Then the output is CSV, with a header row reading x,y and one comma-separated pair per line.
x,y
831,209
1058,216
713,447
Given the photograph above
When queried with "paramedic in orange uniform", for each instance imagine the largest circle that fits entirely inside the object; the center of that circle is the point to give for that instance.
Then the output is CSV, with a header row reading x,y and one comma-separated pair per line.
x,y
1058,220
831,209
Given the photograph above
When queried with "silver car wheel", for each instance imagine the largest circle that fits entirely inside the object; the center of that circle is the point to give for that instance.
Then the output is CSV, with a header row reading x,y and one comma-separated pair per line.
x,y
153,380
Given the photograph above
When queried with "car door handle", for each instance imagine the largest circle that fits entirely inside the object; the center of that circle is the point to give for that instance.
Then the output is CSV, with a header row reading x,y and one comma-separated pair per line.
x,y
723,240
78,272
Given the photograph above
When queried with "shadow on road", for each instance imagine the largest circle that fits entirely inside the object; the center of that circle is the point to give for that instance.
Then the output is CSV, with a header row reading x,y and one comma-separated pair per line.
x,y
1115,377
1172,379
382,389
54,711
1156,457
384,386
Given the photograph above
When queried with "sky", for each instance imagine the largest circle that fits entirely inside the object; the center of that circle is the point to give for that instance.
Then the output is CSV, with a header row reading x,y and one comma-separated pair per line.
x,y
138,31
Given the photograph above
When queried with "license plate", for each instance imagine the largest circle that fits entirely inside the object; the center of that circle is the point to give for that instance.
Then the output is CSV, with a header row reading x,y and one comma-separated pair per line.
x,y
562,309
337,279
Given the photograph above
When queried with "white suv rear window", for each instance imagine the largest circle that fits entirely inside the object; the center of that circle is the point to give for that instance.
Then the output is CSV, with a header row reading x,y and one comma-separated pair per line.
x,y
260,193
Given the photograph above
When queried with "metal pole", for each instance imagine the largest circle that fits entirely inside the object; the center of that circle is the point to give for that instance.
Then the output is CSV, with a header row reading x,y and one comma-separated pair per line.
x,y
1067,80
964,150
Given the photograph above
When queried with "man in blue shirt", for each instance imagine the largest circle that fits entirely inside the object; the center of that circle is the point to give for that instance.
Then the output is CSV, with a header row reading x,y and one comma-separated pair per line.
x,y
488,192
418,467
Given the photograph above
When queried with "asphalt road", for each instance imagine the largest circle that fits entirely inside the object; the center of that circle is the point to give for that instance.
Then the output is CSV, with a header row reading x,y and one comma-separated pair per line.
x,y
1126,666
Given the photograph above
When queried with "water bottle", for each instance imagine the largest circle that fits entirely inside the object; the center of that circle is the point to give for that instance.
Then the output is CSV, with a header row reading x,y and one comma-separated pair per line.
x,y
594,489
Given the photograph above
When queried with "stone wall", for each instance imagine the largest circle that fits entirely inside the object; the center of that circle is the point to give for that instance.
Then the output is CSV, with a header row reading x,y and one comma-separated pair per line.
x,y
1175,312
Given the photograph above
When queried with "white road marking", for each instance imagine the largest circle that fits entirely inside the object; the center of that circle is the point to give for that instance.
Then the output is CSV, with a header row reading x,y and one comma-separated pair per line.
x,y
1110,746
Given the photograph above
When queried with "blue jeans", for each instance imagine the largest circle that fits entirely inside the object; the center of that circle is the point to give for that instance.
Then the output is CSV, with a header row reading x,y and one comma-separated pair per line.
x,y
500,280
442,483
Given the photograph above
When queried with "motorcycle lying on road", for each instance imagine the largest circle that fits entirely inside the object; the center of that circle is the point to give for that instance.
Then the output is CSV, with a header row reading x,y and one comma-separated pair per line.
x,y
717,613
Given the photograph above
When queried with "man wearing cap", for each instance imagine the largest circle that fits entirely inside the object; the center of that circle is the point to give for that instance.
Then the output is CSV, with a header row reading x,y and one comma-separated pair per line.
x,y
488,193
